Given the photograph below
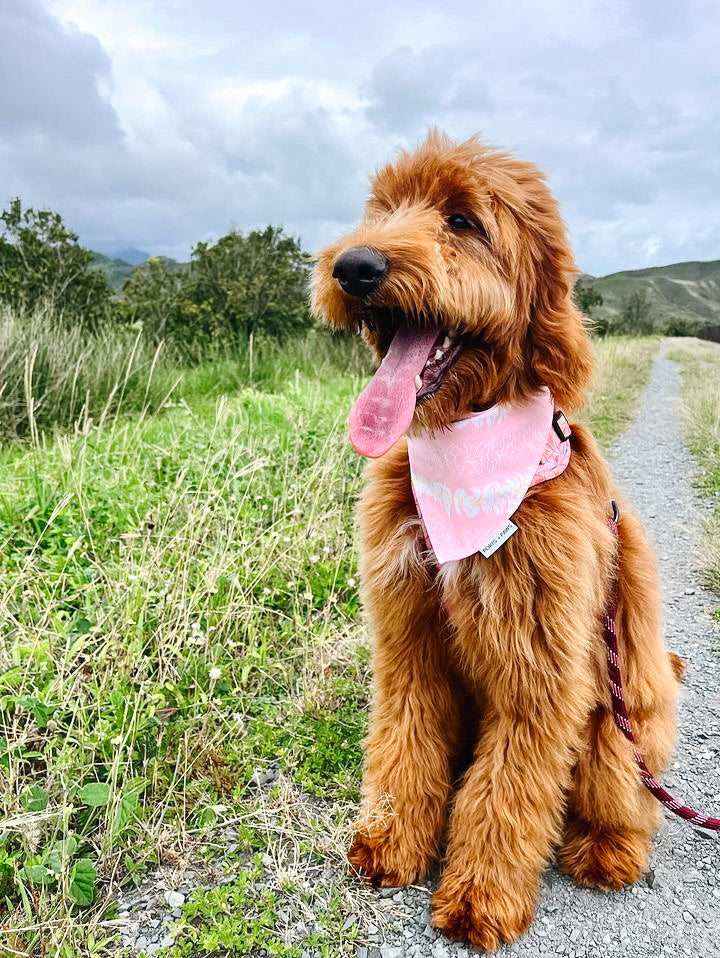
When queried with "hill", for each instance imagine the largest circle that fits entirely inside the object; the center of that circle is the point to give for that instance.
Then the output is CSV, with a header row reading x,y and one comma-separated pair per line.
x,y
686,291
117,270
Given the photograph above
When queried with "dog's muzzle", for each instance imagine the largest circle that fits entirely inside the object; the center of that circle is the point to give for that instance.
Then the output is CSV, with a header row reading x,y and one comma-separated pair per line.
x,y
360,270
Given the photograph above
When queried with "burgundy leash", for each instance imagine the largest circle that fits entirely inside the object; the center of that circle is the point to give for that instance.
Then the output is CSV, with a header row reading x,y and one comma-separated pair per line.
x,y
620,711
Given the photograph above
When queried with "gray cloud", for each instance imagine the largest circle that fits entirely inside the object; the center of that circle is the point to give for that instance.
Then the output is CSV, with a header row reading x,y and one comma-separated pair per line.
x,y
408,90
163,124
49,80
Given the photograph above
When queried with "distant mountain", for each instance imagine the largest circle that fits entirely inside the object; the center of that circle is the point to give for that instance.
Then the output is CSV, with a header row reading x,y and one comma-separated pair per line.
x,y
688,291
128,254
118,269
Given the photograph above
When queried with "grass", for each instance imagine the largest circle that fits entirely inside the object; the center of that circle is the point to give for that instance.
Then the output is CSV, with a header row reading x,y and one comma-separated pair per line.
x,y
700,366
179,623
56,376
623,371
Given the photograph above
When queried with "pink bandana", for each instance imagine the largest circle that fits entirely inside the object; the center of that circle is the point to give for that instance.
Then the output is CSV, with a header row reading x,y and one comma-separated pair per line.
x,y
469,479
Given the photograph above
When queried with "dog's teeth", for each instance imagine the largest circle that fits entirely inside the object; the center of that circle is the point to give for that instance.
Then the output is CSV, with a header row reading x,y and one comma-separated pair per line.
x,y
446,343
439,353
418,382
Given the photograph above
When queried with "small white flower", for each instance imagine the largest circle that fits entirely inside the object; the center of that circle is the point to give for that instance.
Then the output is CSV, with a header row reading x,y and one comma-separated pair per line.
x,y
214,673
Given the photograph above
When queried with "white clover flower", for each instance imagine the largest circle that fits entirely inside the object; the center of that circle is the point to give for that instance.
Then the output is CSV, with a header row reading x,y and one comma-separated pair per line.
x,y
215,673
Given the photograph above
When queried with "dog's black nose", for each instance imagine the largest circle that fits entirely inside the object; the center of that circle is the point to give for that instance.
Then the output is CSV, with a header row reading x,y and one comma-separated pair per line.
x,y
360,270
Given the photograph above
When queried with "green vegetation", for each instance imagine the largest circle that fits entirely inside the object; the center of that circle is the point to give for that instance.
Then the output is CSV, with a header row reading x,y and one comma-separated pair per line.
x,y
701,414
116,270
586,297
58,375
179,610
41,264
239,287
236,920
623,371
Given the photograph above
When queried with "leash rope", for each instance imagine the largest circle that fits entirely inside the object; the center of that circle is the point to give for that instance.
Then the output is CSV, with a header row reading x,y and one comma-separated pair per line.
x,y
620,711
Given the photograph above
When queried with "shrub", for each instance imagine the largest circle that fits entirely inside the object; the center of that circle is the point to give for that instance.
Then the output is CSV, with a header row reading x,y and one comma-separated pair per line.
x,y
680,326
586,298
242,286
42,264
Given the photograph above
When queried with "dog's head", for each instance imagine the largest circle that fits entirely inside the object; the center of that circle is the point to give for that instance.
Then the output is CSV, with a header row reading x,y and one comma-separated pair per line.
x,y
460,278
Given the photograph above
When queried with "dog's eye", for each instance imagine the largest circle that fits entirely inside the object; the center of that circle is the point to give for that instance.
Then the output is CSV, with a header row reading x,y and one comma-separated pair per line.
x,y
459,222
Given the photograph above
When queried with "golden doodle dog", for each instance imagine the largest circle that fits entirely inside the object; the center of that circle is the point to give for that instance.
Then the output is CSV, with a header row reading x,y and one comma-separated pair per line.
x,y
492,740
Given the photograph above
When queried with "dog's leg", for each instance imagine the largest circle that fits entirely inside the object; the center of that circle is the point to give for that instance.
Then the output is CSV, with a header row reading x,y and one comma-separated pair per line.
x,y
416,729
611,816
414,737
530,655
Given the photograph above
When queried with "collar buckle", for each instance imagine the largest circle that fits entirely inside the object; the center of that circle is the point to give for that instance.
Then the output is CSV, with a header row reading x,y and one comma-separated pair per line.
x,y
561,426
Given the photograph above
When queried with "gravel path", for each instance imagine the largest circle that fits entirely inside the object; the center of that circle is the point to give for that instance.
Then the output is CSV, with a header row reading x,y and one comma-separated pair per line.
x,y
675,910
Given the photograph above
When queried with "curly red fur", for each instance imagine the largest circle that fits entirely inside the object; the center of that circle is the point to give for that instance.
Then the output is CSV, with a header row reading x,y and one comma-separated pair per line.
x,y
499,658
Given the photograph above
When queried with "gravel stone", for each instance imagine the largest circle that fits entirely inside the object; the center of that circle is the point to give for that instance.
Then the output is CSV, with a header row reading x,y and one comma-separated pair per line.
x,y
174,899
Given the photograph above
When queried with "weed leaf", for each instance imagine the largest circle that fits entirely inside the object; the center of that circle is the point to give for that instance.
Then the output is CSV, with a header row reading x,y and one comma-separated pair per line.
x,y
37,799
95,794
82,882
127,806
37,874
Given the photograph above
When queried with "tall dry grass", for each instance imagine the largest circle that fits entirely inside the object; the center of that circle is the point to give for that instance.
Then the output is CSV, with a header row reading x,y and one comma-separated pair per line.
x,y
700,363
52,374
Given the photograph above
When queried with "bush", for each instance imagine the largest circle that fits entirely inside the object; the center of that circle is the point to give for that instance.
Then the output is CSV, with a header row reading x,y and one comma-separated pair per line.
x,y
679,326
586,298
41,265
635,317
242,286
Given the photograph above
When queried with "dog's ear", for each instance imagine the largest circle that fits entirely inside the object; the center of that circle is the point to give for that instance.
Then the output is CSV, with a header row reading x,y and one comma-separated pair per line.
x,y
558,352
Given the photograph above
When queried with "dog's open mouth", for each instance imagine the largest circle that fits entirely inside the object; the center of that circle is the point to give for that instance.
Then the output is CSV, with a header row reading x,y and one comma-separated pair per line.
x,y
411,370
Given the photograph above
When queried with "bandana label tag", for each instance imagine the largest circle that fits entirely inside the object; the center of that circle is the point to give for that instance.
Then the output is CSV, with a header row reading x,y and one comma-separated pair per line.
x,y
508,529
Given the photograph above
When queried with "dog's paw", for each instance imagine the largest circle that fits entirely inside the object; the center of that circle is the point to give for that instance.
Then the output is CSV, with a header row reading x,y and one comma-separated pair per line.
x,y
467,912
382,860
603,857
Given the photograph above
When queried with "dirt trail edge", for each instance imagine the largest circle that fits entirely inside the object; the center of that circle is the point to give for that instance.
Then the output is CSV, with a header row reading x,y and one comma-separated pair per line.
x,y
675,910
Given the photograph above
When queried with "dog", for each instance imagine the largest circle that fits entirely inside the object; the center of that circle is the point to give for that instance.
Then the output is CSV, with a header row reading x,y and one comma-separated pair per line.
x,y
492,742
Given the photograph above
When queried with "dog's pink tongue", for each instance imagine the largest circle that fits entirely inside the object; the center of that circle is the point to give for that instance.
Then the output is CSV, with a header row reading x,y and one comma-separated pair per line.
x,y
385,408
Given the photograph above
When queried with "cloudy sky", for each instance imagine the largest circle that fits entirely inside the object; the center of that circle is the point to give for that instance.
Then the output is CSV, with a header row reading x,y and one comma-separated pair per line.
x,y
159,123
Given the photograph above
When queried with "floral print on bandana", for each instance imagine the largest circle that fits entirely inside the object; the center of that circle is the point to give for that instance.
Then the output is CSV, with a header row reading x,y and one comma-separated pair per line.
x,y
470,478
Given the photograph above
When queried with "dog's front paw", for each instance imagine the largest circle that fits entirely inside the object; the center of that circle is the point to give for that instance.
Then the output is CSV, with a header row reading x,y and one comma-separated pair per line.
x,y
383,859
602,856
468,912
